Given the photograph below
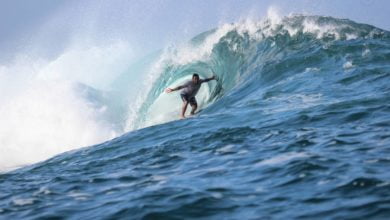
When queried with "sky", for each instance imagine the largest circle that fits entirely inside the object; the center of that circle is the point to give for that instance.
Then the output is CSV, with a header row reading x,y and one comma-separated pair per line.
x,y
46,28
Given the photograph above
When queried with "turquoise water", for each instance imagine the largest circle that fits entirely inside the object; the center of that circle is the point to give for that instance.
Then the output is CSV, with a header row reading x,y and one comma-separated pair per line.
x,y
296,127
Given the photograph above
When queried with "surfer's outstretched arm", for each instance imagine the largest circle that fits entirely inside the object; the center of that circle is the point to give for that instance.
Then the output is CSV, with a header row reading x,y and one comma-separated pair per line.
x,y
169,90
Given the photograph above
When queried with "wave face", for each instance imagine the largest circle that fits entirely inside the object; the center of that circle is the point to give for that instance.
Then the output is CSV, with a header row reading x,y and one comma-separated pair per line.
x,y
296,126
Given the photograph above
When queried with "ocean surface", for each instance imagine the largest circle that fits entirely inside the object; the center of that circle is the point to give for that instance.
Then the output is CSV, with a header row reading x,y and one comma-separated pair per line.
x,y
297,126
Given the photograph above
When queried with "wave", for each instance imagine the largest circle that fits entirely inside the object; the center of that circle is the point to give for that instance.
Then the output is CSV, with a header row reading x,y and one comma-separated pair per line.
x,y
254,55
58,106
300,104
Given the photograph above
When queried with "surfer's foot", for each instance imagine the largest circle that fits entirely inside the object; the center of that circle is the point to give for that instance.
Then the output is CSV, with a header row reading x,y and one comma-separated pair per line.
x,y
182,117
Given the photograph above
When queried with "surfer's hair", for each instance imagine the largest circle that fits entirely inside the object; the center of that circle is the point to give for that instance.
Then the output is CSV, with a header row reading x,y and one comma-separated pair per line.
x,y
195,75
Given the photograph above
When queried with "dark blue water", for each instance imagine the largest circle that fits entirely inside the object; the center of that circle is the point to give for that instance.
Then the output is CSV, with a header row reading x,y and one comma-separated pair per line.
x,y
296,127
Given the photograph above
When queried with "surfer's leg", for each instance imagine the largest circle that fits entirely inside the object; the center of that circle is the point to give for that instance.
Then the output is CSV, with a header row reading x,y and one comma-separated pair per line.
x,y
184,109
185,100
194,105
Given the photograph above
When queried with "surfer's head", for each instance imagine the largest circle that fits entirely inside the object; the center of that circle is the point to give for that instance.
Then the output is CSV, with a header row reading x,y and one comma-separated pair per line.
x,y
195,78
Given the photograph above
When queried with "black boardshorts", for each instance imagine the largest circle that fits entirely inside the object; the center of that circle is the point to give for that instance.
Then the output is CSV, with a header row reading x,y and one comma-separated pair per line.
x,y
191,100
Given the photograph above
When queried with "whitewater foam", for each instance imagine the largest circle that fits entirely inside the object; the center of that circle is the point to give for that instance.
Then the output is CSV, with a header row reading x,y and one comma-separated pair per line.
x,y
23,202
42,111
348,65
282,158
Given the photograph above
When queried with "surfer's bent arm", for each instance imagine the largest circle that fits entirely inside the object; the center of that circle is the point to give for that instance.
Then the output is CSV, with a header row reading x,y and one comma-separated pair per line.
x,y
208,79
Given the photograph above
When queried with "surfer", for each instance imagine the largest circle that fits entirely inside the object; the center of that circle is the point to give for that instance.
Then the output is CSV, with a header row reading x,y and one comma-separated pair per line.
x,y
190,88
